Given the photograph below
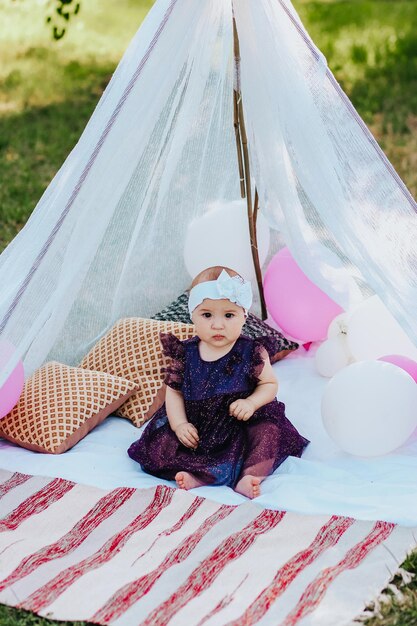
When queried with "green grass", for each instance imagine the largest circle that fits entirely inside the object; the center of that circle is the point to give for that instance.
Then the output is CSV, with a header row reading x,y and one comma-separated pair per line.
x,y
399,612
17,617
49,89
35,141
371,47
367,39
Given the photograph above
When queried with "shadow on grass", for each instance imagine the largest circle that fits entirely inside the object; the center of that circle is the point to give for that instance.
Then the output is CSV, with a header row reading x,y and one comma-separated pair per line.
x,y
35,142
333,16
336,15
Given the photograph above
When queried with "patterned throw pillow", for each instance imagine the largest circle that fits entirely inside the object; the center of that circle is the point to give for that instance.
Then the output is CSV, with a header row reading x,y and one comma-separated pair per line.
x,y
254,327
132,349
60,404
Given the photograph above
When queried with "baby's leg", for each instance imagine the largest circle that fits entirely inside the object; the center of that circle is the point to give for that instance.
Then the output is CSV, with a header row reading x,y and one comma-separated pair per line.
x,y
186,480
259,462
249,486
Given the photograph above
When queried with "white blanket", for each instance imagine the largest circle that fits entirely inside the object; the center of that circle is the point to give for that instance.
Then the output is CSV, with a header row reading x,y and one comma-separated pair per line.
x,y
324,481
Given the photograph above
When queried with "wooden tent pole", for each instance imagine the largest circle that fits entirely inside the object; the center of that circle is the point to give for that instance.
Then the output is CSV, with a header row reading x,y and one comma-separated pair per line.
x,y
255,207
238,142
236,97
242,149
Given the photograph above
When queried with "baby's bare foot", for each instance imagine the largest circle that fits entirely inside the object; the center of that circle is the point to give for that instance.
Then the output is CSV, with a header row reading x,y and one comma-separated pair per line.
x,y
185,480
249,486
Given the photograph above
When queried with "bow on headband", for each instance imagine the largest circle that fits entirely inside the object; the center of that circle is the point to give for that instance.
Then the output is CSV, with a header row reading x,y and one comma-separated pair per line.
x,y
233,288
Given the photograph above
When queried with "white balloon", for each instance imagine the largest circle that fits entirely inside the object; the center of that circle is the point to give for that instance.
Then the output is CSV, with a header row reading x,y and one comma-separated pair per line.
x,y
370,408
332,356
373,332
339,325
221,237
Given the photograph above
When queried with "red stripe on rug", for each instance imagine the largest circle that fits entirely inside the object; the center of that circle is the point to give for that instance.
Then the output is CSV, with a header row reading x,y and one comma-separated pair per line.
x,y
222,604
202,577
35,504
328,535
197,502
187,515
105,507
14,481
315,591
44,596
130,593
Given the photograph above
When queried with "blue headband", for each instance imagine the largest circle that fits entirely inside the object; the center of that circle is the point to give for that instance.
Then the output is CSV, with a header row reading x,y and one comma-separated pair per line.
x,y
234,288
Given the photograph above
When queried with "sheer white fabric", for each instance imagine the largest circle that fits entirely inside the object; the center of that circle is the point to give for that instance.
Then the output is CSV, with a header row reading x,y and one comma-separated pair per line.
x,y
106,239
323,180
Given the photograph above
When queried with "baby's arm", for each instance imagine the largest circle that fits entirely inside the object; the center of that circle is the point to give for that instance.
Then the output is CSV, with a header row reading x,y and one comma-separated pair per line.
x,y
266,391
186,432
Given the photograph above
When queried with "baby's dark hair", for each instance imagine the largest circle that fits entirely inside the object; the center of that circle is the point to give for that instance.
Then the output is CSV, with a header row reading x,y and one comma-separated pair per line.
x,y
212,273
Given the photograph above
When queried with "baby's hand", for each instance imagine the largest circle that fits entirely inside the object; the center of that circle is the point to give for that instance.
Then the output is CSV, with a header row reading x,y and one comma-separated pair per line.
x,y
242,409
187,434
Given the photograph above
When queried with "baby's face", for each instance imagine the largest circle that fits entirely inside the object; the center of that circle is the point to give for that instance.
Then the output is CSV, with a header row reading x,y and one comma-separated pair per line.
x,y
218,322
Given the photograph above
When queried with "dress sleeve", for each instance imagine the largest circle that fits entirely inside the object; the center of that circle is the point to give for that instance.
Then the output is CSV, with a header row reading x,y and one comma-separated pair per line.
x,y
174,350
259,356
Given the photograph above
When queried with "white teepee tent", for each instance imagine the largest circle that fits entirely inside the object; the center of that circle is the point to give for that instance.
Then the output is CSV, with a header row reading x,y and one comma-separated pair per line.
x,y
106,239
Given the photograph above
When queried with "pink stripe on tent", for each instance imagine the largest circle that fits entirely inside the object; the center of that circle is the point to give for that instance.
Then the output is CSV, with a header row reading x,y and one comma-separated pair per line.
x,y
104,508
328,536
315,591
203,576
54,588
14,481
87,169
130,593
36,503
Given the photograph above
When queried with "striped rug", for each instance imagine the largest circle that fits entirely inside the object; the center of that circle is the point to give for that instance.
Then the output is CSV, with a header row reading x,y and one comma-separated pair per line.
x,y
163,556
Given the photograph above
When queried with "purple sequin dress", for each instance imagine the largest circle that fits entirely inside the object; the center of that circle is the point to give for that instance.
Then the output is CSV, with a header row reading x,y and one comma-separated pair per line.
x,y
228,448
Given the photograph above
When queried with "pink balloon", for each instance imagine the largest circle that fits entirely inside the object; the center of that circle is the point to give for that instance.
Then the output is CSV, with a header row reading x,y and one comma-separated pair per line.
x,y
404,362
297,305
12,388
